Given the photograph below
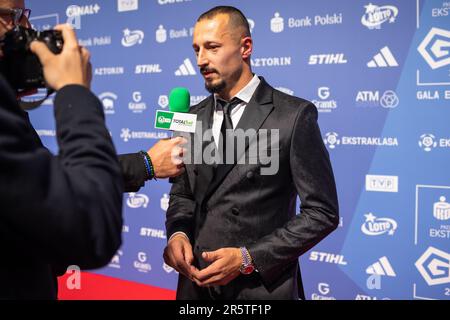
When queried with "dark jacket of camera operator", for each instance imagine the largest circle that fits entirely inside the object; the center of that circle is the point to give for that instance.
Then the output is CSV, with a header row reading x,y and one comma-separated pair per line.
x,y
63,210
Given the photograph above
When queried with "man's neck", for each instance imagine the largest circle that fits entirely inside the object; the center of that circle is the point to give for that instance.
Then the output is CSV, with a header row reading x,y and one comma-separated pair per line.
x,y
242,82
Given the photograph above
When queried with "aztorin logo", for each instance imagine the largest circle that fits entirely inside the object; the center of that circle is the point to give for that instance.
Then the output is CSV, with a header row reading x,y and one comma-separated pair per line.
x,y
435,48
131,38
434,266
137,200
374,226
375,15
427,142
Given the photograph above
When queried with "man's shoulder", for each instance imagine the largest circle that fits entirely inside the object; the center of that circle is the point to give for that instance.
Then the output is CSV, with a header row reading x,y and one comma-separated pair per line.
x,y
290,103
201,105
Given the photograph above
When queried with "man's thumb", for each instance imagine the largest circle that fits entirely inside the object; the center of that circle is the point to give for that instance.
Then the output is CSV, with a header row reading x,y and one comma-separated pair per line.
x,y
209,256
41,50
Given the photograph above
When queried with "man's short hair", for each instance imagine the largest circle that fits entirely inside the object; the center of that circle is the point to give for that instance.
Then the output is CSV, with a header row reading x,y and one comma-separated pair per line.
x,y
237,18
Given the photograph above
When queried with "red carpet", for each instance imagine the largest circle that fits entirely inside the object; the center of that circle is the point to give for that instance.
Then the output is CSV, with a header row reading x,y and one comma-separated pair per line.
x,y
98,287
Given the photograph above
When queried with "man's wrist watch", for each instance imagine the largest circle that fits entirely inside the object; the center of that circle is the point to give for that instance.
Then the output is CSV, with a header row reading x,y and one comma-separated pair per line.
x,y
247,265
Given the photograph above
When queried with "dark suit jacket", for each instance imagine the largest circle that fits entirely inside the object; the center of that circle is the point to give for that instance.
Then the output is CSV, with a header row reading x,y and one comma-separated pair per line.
x,y
56,211
241,207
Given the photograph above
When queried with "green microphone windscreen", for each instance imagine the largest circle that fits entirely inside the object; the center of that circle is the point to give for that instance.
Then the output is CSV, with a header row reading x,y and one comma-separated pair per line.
x,y
179,100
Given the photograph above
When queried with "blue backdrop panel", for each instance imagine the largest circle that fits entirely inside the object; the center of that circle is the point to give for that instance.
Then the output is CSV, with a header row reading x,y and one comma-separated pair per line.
x,y
379,73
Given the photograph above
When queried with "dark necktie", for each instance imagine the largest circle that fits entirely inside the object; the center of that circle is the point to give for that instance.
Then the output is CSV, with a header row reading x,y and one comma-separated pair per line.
x,y
226,130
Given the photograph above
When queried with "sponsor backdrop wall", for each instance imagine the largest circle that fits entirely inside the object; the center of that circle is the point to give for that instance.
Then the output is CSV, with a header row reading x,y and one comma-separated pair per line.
x,y
379,74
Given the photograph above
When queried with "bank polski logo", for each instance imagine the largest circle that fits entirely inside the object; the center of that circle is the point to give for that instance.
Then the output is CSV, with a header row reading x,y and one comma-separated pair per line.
x,y
435,48
161,34
163,101
374,226
164,202
108,100
323,93
137,200
427,142
277,23
132,38
115,261
441,209
389,99
434,266
332,140
375,15
126,134
251,24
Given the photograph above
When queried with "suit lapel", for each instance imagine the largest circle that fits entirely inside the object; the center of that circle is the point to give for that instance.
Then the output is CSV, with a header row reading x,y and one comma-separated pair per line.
x,y
256,112
202,174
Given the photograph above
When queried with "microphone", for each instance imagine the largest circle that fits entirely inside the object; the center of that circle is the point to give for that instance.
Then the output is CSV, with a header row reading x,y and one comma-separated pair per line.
x,y
178,118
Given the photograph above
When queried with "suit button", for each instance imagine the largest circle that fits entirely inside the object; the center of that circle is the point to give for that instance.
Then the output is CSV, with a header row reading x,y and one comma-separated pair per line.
x,y
235,211
250,175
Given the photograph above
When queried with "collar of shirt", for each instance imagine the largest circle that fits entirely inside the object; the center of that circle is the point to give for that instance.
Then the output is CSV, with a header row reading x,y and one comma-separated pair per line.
x,y
246,92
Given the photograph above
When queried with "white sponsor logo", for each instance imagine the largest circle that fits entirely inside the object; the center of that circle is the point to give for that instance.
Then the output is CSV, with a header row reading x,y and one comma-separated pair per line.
x,y
137,200
108,100
388,99
127,135
382,268
127,5
109,71
153,233
164,202
197,99
271,62
77,11
444,11
441,209
46,133
324,105
328,58
327,257
435,48
326,20
427,142
161,34
95,41
163,101
332,140
185,69
375,15
141,265
168,269
163,2
324,290
115,261
434,266
132,38
432,95
277,23
379,183
251,24
383,59
286,90
374,226
137,106
147,69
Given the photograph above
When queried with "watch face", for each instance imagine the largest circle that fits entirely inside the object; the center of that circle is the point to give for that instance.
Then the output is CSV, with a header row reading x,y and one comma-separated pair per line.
x,y
248,269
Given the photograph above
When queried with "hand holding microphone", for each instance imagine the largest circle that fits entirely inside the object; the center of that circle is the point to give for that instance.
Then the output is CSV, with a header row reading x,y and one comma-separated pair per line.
x,y
167,154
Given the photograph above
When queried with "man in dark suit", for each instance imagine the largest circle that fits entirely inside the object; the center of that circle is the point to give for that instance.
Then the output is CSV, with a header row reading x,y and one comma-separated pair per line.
x,y
65,210
233,230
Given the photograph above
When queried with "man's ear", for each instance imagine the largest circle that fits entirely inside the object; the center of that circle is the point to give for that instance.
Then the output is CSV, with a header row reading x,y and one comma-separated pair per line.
x,y
246,47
